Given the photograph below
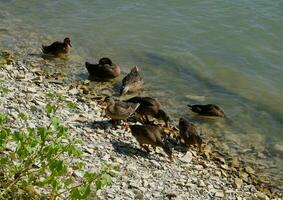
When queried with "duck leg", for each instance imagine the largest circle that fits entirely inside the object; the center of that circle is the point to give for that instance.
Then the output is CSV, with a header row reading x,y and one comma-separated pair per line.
x,y
146,148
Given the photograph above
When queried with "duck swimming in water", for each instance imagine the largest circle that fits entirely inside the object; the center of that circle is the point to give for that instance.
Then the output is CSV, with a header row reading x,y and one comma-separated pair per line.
x,y
105,69
208,110
132,82
57,48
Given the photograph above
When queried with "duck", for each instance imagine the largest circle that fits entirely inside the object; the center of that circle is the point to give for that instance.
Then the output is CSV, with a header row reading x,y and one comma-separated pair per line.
x,y
119,110
208,110
189,133
150,135
132,82
57,48
150,107
104,70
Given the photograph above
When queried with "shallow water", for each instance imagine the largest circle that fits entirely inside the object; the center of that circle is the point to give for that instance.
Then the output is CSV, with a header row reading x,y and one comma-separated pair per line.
x,y
223,52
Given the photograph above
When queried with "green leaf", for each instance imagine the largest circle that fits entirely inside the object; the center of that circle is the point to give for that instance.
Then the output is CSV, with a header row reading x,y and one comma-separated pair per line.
x,y
72,105
50,108
55,122
42,132
75,194
90,177
3,119
58,167
51,95
4,91
86,192
23,116
73,150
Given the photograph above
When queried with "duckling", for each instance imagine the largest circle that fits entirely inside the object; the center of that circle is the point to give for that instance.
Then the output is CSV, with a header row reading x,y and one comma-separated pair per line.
x,y
150,135
57,48
208,110
132,82
104,70
189,133
150,107
119,110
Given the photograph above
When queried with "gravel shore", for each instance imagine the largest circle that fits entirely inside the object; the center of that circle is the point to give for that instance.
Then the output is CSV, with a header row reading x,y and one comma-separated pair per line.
x,y
191,175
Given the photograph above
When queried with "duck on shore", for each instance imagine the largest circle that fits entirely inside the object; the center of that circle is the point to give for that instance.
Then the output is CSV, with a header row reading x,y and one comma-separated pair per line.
x,y
150,135
104,70
189,133
132,82
150,107
208,110
57,48
119,110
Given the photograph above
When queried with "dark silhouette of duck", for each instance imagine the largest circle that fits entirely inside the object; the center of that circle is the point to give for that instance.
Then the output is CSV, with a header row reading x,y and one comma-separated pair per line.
x,y
189,133
119,110
57,48
150,135
150,107
132,82
208,110
104,70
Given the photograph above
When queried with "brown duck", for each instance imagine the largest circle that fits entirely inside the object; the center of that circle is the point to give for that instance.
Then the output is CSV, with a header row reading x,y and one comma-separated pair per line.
x,y
150,135
132,82
189,133
150,107
208,110
57,48
104,70
119,110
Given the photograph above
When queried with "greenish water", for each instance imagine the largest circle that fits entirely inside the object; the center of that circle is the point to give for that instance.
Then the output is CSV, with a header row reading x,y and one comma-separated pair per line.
x,y
223,52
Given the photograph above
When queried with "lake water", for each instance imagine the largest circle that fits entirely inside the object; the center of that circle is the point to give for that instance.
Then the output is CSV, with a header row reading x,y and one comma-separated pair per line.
x,y
224,52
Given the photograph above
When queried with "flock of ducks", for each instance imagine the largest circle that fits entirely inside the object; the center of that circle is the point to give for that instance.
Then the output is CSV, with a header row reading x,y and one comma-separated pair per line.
x,y
148,133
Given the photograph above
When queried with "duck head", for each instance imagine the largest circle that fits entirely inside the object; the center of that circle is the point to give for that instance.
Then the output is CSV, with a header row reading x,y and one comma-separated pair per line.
x,y
67,41
195,108
105,60
109,100
164,117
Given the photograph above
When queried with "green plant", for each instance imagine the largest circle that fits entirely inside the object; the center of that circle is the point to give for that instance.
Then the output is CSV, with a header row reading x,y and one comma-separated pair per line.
x,y
39,158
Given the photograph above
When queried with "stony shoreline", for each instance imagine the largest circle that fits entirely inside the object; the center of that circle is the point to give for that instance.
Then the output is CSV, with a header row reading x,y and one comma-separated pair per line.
x,y
191,175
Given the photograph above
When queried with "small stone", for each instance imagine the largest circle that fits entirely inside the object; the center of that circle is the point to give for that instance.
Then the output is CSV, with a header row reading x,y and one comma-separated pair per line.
x,y
261,196
237,183
249,170
224,167
201,183
219,194
31,90
187,158
74,91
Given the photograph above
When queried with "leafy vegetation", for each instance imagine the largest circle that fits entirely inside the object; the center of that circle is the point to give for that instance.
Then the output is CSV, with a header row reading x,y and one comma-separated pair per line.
x,y
43,161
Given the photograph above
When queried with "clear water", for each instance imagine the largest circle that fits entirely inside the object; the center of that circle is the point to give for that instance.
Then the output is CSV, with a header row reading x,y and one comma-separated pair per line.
x,y
224,52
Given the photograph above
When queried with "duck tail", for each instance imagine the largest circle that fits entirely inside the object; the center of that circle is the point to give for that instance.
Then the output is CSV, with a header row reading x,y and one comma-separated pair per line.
x,y
43,49
124,90
190,106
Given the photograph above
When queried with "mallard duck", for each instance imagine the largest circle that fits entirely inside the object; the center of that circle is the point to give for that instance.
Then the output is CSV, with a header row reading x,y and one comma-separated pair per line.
x,y
119,110
104,70
189,133
208,110
132,82
57,48
150,107
150,135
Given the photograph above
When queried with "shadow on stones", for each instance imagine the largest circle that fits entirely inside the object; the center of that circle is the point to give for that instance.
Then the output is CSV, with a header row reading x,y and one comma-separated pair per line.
x,y
128,149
